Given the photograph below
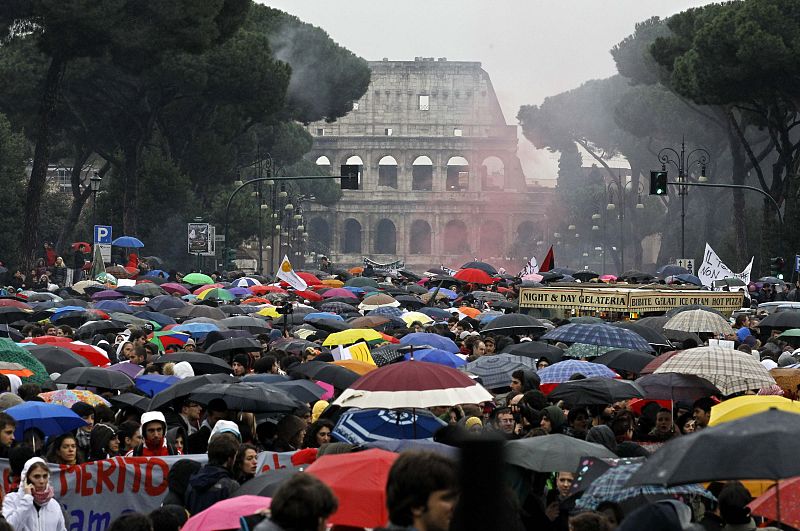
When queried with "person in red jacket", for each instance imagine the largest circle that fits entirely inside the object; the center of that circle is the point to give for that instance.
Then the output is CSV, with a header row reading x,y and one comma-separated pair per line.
x,y
154,443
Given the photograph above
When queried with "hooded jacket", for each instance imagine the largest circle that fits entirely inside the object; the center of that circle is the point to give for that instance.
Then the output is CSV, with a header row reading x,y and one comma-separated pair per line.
x,y
20,512
604,435
209,485
98,442
143,450
178,481
557,418
530,380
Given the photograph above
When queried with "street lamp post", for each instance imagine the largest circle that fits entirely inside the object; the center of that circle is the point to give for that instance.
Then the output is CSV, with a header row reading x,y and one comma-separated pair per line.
x,y
616,194
94,186
682,162
595,227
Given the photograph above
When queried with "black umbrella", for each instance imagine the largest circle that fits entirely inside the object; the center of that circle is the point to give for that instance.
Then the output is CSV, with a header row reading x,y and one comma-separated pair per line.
x,y
253,397
233,345
73,302
551,276
89,329
165,302
186,387
625,360
253,325
514,323
760,446
95,377
483,266
595,391
536,349
651,335
338,307
585,276
265,484
657,323
57,359
339,377
505,305
410,301
676,386
9,314
292,345
389,353
190,311
781,320
329,325
635,276
10,332
303,390
201,363
130,400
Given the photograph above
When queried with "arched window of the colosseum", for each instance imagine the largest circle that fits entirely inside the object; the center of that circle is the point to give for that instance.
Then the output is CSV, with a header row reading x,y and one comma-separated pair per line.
x,y
422,174
324,161
457,174
385,237
351,239
387,172
493,174
319,236
492,240
456,239
352,172
420,238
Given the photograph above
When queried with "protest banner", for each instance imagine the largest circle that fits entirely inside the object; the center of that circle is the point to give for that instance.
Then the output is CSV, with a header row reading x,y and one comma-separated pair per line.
x,y
713,269
358,351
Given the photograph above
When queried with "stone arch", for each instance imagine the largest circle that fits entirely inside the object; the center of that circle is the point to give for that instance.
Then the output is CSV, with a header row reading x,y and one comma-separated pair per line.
x,y
319,235
491,239
352,173
322,160
387,172
419,237
351,238
525,237
422,174
385,237
493,173
457,174
456,237
526,231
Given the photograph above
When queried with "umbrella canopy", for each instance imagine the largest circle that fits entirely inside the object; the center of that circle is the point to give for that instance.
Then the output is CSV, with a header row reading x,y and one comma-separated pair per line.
x,y
536,349
474,276
563,370
172,287
595,391
675,386
583,351
419,339
748,405
699,321
201,363
191,311
782,320
131,400
436,355
52,419
168,338
186,387
334,375
483,266
253,325
10,352
68,397
348,337
219,294
254,397
359,367
360,282
378,300
760,444
413,384
245,282
598,334
234,344
56,358
514,324
95,377
359,482
150,384
625,360
197,279
302,390
731,371
767,504
495,371
359,426
651,335
552,453
265,483
225,514
128,241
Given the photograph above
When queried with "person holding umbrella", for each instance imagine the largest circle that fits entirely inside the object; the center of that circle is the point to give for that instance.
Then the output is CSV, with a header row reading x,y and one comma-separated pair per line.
x,y
32,506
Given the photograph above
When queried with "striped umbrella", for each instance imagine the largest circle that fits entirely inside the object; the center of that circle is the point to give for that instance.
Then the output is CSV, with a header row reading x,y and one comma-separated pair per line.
x,y
699,321
598,334
731,371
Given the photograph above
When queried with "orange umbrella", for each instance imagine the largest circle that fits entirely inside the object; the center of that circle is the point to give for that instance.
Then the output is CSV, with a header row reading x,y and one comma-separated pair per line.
x,y
359,367
469,311
333,283
256,300
263,290
356,270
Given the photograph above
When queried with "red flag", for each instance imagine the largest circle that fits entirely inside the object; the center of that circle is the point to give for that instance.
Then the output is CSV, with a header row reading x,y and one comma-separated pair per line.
x,y
549,261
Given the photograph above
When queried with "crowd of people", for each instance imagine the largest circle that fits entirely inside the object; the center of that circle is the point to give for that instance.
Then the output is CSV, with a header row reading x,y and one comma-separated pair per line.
x,y
423,486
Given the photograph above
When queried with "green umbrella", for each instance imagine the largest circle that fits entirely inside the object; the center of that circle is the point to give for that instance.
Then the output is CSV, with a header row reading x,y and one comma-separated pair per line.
x,y
360,282
793,332
582,350
216,293
106,278
98,266
197,279
12,353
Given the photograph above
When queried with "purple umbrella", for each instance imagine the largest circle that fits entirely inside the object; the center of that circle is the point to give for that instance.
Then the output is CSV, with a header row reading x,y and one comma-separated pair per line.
x,y
131,369
240,292
107,295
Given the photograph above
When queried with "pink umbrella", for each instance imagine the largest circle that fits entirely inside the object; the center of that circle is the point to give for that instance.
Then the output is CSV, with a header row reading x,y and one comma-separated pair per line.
x,y
339,292
226,513
608,278
533,277
172,287
204,287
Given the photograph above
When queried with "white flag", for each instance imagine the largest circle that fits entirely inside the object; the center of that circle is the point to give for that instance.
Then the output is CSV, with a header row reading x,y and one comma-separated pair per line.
x,y
287,274
530,268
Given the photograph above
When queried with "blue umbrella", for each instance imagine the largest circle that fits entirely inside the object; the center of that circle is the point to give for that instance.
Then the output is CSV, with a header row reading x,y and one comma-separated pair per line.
x,y
52,419
354,289
69,309
322,315
387,311
563,370
240,293
164,302
435,355
358,426
689,279
444,291
438,314
669,270
152,384
196,328
433,340
113,306
127,241
599,334
157,273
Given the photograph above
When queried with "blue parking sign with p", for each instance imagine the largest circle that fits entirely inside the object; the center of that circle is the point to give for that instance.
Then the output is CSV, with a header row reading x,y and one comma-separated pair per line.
x,y
102,234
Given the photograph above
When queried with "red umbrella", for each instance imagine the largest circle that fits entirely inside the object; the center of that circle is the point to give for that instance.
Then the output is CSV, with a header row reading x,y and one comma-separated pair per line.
x,y
95,355
83,246
310,279
787,500
309,295
657,362
475,276
413,384
173,287
204,287
14,303
263,290
359,482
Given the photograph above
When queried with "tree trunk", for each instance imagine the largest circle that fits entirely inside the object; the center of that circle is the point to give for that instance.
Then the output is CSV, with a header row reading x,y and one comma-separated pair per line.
x,y
739,175
38,179
130,189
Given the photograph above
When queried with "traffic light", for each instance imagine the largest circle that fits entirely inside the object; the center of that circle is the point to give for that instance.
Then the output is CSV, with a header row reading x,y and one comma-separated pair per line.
x,y
776,267
658,182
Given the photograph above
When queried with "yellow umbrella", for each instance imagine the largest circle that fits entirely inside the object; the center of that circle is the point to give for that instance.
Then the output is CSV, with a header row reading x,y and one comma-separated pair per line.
x,y
747,405
332,283
269,311
348,337
411,317
358,367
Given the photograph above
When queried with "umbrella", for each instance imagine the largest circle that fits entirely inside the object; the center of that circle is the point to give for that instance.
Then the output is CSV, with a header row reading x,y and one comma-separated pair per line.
x,y
767,504
216,294
754,447
90,329
360,282
483,266
68,397
245,282
10,332
359,367
337,376
413,384
331,323
657,362
358,426
51,419
419,339
266,483
225,514
731,371
745,406
651,335
302,390
563,370
95,377
359,482
150,384
585,276
495,371
611,486
669,270
131,370
339,307
10,352
168,338
582,350
625,360
535,349
197,329
130,400
595,391
699,321
197,279
376,301
438,314
201,363
192,311
552,453
339,292
386,311
598,334
253,325
514,324
56,358
254,397
172,287
586,319
435,355
474,276
781,320
95,355
412,317
234,344
348,337
389,353
186,387
687,307
127,241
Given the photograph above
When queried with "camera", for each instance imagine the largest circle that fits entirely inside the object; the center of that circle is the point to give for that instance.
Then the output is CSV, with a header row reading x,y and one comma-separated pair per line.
x,y
286,309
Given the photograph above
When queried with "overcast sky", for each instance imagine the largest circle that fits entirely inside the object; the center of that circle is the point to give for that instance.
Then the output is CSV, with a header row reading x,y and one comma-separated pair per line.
x,y
530,48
